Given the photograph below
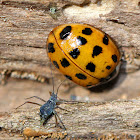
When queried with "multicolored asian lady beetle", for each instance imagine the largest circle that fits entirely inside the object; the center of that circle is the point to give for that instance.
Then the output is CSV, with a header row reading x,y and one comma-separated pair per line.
x,y
83,53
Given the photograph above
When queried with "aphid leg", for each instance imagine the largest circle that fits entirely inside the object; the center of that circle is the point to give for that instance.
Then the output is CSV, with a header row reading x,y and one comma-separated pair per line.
x,y
62,101
29,103
36,97
56,121
57,124
55,113
62,108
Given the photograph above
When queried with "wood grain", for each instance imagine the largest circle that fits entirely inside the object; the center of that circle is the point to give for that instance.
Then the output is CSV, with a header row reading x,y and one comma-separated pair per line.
x,y
117,119
25,68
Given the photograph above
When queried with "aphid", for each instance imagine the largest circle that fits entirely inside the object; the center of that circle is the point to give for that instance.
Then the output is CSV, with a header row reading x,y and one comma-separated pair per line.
x,y
47,110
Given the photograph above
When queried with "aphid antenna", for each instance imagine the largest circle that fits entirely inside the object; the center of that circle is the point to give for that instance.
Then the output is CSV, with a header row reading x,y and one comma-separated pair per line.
x,y
53,80
60,85
52,76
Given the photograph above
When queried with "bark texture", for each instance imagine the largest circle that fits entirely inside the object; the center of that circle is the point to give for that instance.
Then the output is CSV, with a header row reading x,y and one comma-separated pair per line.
x,y
118,119
24,27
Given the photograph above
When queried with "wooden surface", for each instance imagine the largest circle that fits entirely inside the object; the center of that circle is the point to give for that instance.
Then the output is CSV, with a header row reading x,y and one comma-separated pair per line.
x,y
24,27
117,119
25,68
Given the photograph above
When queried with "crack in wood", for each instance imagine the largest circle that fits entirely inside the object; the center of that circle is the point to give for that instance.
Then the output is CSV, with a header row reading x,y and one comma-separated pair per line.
x,y
115,21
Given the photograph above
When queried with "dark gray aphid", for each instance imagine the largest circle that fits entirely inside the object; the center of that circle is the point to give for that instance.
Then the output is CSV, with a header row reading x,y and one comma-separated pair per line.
x,y
47,110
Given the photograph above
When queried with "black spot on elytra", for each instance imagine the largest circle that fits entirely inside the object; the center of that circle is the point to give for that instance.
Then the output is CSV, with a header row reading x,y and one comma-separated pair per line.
x,y
81,40
69,77
114,58
56,64
108,67
96,50
80,76
105,40
65,62
90,66
74,53
65,32
87,31
51,48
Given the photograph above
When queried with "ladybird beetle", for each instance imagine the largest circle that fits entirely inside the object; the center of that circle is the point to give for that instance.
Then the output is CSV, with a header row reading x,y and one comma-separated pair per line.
x,y
83,53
